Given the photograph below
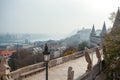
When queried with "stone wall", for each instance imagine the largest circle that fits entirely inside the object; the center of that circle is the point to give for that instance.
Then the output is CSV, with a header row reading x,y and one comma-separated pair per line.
x,y
95,74
16,75
64,59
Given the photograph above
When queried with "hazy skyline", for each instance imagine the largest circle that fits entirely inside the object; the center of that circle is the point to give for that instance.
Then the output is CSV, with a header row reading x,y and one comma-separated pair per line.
x,y
54,16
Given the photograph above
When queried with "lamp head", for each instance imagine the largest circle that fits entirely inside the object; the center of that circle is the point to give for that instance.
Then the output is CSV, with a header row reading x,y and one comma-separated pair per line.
x,y
46,53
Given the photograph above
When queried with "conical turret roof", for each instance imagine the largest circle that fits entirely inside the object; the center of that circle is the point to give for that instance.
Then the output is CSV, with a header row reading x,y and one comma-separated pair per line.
x,y
117,20
93,31
104,31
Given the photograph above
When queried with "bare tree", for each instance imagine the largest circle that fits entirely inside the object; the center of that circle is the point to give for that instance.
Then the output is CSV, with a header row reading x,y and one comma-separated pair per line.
x,y
112,16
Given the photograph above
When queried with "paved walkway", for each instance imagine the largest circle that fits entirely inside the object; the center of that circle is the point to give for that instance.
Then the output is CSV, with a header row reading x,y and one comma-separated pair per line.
x,y
60,72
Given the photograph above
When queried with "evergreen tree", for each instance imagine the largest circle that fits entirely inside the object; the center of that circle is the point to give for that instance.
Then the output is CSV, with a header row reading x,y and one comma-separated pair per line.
x,y
111,52
82,45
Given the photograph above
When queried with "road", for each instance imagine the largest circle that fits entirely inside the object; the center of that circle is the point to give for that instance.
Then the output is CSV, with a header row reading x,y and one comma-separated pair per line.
x,y
60,72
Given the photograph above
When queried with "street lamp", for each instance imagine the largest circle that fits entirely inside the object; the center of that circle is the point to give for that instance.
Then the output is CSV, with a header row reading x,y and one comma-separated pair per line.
x,y
46,59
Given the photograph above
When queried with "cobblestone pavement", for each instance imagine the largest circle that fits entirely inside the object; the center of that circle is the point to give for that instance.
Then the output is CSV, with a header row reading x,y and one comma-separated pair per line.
x,y
60,72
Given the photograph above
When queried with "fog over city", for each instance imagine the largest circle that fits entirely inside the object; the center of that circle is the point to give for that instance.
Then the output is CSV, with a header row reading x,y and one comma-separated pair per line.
x,y
54,16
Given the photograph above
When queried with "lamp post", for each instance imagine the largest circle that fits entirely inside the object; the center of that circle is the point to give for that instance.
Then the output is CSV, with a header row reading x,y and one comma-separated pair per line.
x,y
46,59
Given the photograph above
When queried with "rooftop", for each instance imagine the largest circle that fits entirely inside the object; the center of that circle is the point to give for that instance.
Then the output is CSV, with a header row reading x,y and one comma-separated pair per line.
x,y
7,52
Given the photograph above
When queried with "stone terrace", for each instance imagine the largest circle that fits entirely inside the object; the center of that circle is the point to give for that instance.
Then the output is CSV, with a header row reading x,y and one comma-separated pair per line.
x,y
59,72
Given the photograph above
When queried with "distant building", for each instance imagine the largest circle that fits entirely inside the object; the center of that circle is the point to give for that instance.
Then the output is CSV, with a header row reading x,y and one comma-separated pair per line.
x,y
27,41
37,50
6,52
6,47
3,47
26,46
56,54
97,39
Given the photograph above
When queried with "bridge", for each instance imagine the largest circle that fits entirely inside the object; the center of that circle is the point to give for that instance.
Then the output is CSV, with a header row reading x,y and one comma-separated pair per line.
x,y
58,68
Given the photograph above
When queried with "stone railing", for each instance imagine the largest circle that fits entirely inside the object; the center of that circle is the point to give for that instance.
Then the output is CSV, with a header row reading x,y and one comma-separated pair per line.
x,y
17,74
95,74
64,59
25,71
92,74
28,70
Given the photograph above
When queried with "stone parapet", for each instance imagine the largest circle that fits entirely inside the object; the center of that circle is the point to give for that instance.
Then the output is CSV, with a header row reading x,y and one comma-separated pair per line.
x,y
16,75
93,75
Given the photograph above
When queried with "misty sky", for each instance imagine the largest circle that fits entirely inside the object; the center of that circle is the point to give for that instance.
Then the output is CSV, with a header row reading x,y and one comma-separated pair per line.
x,y
54,16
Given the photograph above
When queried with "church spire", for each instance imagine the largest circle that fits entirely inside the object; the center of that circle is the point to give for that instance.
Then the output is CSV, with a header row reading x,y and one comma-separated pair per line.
x,y
93,31
117,20
104,31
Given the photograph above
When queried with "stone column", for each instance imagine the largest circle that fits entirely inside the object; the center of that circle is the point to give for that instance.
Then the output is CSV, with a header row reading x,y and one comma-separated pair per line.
x,y
70,74
88,60
98,55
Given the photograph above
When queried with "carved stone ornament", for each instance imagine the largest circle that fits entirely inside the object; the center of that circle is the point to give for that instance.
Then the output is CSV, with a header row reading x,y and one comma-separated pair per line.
x,y
4,69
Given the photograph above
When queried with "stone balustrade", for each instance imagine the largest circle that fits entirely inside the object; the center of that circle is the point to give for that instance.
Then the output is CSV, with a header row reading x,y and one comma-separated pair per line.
x,y
16,75
96,70
93,75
